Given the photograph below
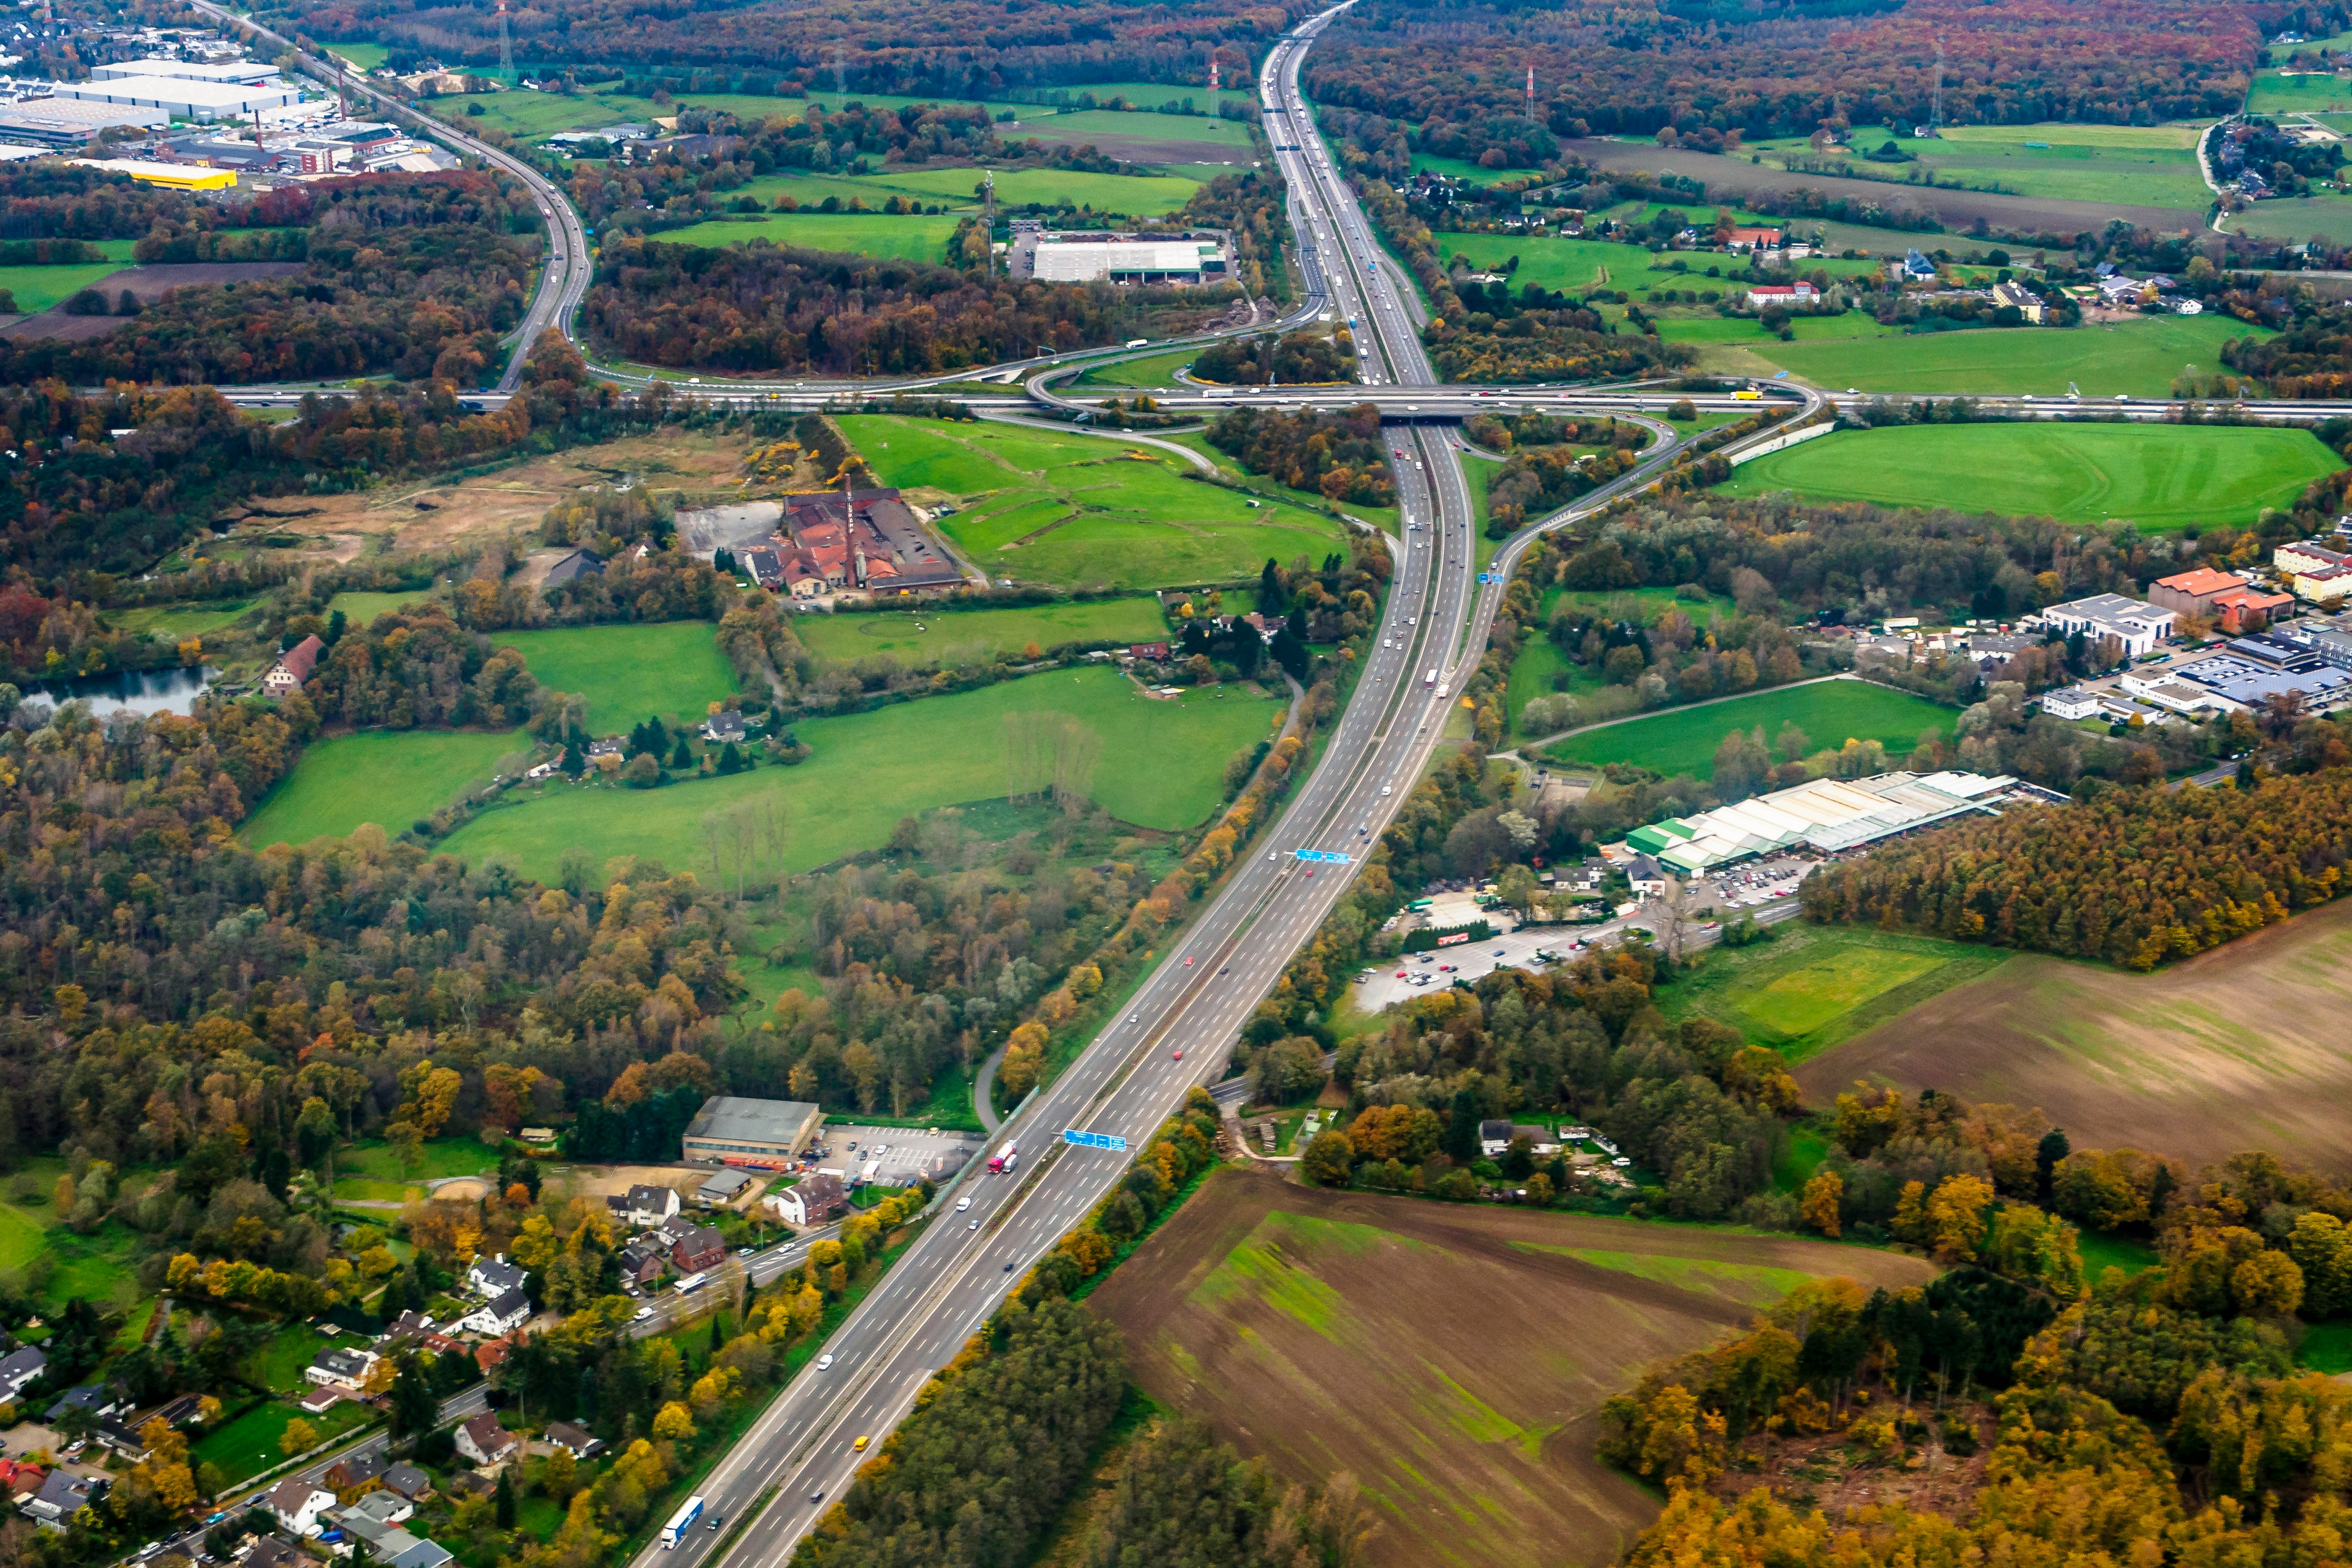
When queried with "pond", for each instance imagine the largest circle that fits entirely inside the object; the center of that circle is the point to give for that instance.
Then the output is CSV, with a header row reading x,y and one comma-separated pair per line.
x,y
138,691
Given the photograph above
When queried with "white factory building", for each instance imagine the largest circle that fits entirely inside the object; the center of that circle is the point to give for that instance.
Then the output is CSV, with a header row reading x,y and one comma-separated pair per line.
x,y
1126,260
183,99
248,73
70,122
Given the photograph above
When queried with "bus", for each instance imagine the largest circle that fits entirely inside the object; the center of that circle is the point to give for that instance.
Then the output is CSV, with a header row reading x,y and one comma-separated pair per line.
x,y
1429,681
682,1520
691,1283
1418,905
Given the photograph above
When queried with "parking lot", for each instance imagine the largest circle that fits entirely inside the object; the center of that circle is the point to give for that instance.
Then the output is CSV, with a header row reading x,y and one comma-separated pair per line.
x,y
1757,883
901,1154
1469,960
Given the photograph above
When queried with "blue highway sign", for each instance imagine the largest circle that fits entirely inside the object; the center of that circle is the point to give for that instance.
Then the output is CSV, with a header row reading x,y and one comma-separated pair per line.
x,y
1093,1140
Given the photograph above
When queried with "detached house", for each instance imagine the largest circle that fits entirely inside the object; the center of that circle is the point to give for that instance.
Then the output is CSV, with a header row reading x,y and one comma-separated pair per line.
x,y
293,667
485,1442
298,1504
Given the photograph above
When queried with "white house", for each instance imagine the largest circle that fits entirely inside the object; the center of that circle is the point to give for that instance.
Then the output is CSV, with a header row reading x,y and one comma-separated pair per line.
x,y
2139,627
485,1442
20,1368
298,1504
812,1201
501,1315
647,1204
494,1276
345,1369
2070,702
1782,294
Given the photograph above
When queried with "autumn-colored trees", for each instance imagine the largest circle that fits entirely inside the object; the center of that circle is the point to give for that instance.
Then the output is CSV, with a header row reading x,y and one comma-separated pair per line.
x,y
1340,455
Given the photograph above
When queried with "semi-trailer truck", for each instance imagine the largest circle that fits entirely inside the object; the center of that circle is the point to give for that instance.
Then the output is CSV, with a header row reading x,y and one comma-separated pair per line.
x,y
680,1522
1005,1159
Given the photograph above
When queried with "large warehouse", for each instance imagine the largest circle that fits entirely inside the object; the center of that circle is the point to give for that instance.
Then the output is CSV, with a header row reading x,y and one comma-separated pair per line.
x,y
1827,815
70,122
1127,261
250,72
183,100
766,1134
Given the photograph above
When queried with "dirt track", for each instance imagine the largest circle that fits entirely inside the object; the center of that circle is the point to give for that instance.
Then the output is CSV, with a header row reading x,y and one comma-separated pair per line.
x,y
1453,1358
2242,1048
1957,209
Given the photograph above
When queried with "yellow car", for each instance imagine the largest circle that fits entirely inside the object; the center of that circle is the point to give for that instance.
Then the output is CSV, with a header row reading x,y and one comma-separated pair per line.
x,y
859,1445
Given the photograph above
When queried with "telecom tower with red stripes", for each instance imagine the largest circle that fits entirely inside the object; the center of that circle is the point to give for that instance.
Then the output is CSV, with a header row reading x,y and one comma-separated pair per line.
x,y
1212,87
1531,95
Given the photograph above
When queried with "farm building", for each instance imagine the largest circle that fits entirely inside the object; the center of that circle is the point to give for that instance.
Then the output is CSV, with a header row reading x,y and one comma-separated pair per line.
x,y
766,1134
1825,814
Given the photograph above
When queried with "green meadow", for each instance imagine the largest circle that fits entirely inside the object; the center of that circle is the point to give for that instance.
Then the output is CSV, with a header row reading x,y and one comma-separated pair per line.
x,y
1830,712
389,777
916,637
2138,358
629,673
889,239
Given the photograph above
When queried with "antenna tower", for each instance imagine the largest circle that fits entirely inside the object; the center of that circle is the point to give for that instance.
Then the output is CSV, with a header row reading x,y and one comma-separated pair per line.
x,y
988,216
1935,100
840,72
506,45
1531,95
1213,84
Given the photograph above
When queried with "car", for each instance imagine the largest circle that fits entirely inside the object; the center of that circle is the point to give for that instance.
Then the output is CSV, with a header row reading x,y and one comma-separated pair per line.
x,y
824,1364
1401,974
640,1314
1386,790
816,1497
716,1519
1445,969
1499,953
974,1226
853,1142
1010,1265
743,1252
215,1519
1178,1056
1188,962
963,1203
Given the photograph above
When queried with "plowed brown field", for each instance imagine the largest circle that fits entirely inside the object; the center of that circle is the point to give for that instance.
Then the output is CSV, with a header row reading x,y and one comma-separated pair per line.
x,y
1453,1358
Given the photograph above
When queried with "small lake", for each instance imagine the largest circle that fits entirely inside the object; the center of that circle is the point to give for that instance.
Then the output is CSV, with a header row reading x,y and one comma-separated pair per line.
x,y
137,691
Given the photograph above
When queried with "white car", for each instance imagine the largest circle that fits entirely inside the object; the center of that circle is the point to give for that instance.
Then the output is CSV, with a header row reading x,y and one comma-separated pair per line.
x,y
824,1364
640,1314
963,1203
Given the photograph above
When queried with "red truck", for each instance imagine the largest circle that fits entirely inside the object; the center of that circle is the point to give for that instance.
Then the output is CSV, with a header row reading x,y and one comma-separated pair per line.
x,y
1003,1159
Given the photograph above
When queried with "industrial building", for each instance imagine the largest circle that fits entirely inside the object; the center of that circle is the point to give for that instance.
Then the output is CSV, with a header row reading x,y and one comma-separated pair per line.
x,y
71,123
765,1135
248,72
1829,816
167,176
1121,260
183,100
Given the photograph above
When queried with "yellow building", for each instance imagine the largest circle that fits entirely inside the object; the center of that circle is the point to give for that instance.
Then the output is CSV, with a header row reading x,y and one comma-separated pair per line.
x,y
170,177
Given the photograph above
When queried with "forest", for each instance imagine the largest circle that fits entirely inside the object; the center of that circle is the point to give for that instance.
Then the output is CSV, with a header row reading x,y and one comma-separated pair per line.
x,y
1340,455
1450,78
409,274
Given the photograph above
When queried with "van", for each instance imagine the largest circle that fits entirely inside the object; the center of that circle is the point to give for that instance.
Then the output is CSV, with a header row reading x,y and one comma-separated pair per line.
x,y
859,1447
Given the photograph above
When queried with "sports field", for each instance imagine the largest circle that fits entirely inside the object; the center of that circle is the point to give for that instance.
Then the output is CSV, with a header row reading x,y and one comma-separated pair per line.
x,y
1812,986
1142,194
2240,1047
629,673
2159,475
895,238
1076,511
972,635
1453,1358
1830,712
2137,358
389,777
1160,766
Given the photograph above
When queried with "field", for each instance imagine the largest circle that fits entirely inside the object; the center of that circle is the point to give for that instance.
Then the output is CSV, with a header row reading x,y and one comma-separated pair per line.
x,y
2298,218
388,777
248,1444
1159,766
1079,510
2241,1048
970,636
2158,475
1569,266
2138,358
1152,370
629,673
905,239
2306,92
360,609
533,114
1830,712
37,288
181,620
1110,128
1812,986
2152,165
1453,1358
1142,194
362,57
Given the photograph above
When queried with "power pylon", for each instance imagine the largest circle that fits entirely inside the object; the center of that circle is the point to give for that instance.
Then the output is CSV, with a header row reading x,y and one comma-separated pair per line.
x,y
506,45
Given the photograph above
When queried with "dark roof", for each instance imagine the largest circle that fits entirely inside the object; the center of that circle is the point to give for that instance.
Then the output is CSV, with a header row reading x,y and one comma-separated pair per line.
x,y
578,1439
497,1275
407,1480
578,564
1498,1130
701,1238
507,1305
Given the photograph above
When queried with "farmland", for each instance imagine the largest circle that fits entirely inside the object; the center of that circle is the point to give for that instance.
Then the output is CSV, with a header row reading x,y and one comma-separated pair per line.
x,y
2156,475
2297,218
629,673
1159,766
37,288
1830,712
1420,1346
889,239
2240,1047
1813,986
385,777
2303,92
972,635
2149,165
2138,358
1111,129
1076,511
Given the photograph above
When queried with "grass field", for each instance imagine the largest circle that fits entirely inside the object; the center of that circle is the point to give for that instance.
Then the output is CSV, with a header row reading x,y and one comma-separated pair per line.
x,y
443,1157
535,114
2298,218
360,609
2138,358
2159,475
1076,511
2241,1048
37,288
2308,92
2150,165
1705,327
1147,196
1830,712
362,57
1420,1347
972,635
181,620
1110,125
1159,766
248,1444
1812,986
630,673
1570,266
2102,1251
911,237
389,777
1152,370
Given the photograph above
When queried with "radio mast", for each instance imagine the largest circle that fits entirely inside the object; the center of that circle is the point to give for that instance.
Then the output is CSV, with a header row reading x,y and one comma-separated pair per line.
x,y
1531,95
1213,84
506,45
1935,100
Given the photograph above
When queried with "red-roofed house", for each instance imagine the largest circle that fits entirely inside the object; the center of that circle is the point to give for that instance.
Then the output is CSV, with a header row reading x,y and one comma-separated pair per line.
x,y
293,667
1755,239
2221,595
1783,294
